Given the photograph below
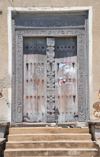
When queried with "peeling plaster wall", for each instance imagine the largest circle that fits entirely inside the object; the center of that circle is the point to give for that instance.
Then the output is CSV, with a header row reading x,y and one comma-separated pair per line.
x,y
5,106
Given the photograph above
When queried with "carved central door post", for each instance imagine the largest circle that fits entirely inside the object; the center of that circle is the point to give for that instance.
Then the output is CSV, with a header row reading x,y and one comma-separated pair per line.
x,y
50,80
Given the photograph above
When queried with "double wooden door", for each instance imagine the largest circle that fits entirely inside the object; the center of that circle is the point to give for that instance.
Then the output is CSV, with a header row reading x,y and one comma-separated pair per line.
x,y
50,79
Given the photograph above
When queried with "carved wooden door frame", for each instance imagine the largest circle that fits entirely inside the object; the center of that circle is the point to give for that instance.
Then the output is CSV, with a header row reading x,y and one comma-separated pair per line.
x,y
17,60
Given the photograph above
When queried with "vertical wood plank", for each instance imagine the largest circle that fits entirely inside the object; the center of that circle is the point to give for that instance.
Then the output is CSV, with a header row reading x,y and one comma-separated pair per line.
x,y
34,79
66,79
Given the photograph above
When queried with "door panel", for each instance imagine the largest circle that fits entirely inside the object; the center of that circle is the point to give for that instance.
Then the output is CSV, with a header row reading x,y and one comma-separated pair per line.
x,y
66,78
34,79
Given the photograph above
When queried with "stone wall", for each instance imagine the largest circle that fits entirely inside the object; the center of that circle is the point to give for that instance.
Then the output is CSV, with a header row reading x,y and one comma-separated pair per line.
x,y
5,105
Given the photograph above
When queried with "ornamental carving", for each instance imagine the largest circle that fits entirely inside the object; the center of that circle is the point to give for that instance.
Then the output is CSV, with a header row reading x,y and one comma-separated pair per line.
x,y
50,78
17,54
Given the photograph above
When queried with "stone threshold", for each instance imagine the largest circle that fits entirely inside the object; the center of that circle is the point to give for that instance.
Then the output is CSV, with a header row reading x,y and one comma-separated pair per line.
x,y
73,124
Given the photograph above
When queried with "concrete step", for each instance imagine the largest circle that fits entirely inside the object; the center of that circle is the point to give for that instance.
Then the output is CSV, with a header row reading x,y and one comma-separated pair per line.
x,y
50,152
57,156
50,144
48,137
39,130
50,141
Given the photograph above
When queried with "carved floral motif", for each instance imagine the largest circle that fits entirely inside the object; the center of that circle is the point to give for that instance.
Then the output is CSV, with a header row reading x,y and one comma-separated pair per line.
x,y
50,79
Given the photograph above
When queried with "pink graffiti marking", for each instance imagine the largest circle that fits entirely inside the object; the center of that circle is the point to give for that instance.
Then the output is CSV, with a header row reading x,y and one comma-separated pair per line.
x,y
63,81
67,63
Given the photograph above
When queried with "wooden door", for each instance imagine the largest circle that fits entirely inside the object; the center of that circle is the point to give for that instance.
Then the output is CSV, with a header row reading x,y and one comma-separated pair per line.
x,y
50,79
66,79
34,108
